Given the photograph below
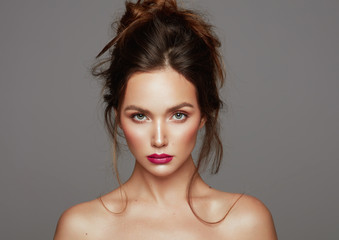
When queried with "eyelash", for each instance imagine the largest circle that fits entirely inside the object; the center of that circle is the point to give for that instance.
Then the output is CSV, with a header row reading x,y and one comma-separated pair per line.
x,y
182,114
135,116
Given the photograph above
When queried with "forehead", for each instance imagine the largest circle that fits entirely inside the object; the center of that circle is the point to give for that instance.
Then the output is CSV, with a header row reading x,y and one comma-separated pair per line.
x,y
159,89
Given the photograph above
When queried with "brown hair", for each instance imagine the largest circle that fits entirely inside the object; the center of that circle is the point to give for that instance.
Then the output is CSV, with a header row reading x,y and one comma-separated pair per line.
x,y
154,34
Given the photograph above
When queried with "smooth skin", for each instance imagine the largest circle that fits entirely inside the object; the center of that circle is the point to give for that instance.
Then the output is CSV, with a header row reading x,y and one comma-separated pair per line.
x,y
160,114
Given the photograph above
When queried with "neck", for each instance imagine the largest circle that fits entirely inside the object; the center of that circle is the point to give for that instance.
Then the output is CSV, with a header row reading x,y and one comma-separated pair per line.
x,y
168,189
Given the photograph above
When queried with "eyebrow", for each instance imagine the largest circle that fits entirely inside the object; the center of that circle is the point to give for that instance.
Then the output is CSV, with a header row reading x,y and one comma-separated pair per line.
x,y
171,109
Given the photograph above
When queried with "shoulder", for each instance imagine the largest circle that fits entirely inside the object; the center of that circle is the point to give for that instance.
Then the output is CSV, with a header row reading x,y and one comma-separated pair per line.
x,y
251,219
77,221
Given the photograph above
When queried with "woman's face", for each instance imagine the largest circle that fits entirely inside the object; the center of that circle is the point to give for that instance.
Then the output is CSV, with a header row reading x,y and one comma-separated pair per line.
x,y
160,118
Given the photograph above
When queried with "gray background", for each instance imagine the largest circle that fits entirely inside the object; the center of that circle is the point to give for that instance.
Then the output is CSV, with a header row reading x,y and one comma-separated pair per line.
x,y
281,131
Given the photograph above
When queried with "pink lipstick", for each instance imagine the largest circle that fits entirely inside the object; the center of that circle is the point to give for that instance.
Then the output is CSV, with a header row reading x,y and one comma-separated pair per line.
x,y
159,158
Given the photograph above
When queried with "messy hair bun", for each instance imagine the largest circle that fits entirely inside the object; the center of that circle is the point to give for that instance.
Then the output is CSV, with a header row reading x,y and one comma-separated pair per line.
x,y
154,34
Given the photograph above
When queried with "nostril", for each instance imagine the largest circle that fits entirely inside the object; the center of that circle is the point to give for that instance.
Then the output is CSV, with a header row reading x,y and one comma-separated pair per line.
x,y
159,140
159,137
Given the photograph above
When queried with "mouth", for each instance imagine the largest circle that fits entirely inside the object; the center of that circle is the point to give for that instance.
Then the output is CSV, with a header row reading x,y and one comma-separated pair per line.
x,y
159,158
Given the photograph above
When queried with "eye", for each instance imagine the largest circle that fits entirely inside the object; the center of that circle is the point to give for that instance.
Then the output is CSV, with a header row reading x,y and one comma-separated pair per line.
x,y
179,116
139,117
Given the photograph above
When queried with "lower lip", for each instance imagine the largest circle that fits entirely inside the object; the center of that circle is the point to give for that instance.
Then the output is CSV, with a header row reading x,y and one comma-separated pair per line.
x,y
162,160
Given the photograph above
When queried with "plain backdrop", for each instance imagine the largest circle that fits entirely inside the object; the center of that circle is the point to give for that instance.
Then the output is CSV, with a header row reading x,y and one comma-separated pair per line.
x,y
280,130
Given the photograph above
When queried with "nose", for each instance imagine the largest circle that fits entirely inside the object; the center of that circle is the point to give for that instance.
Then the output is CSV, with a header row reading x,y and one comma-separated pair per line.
x,y
159,138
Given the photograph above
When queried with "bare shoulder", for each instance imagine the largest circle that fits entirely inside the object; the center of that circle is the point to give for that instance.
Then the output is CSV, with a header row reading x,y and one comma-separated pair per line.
x,y
77,221
249,218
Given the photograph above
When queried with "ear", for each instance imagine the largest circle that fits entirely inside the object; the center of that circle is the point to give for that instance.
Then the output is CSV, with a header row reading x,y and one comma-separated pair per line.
x,y
202,122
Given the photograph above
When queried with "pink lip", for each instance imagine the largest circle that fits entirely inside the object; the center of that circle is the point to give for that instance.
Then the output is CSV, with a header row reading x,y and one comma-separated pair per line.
x,y
159,158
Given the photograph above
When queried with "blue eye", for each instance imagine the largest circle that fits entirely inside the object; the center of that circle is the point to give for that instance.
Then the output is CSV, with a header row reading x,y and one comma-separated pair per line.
x,y
179,116
139,117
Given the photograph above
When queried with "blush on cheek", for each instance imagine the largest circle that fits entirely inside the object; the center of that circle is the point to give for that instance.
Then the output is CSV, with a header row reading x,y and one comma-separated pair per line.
x,y
187,136
134,137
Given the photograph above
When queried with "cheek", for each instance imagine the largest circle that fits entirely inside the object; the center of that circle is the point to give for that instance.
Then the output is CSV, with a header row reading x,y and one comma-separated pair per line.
x,y
134,137
186,137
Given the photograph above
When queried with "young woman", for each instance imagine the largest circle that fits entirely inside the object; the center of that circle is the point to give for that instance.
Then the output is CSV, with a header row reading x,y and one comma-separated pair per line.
x,y
161,85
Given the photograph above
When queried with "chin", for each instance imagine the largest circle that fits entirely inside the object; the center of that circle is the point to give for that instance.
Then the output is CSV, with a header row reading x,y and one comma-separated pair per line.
x,y
161,171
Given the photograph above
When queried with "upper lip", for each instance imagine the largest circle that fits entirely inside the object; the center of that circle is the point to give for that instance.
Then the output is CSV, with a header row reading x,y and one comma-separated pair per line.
x,y
163,155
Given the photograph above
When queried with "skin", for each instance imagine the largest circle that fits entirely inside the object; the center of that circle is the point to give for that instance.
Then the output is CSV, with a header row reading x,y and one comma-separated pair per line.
x,y
160,114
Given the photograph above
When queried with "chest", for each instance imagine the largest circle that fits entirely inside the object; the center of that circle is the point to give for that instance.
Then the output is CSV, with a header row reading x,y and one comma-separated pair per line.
x,y
175,227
